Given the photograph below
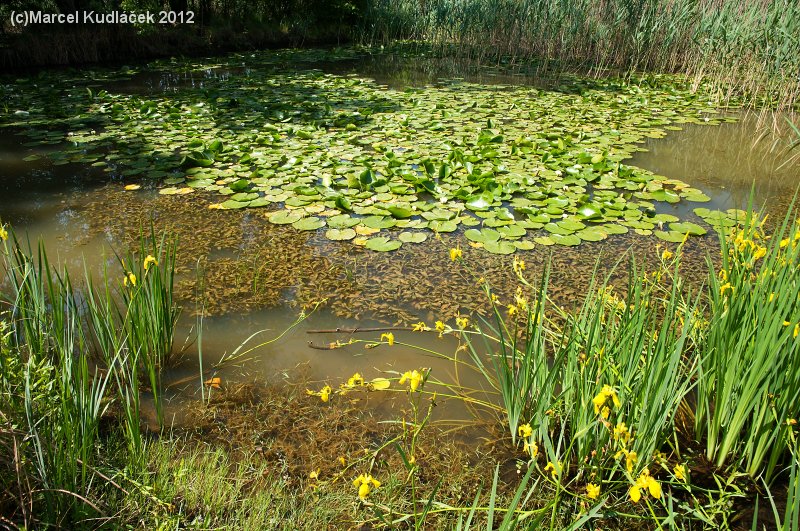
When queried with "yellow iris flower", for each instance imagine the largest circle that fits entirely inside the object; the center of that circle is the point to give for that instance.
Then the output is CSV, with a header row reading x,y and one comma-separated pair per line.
x,y
150,260
389,337
414,379
455,253
592,491
365,483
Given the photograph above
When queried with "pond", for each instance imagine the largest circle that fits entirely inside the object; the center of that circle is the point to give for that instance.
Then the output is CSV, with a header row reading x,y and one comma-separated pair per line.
x,y
335,183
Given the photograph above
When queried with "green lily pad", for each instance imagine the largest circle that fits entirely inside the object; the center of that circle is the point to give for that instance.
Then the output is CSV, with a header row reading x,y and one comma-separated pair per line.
x,y
568,240
482,235
383,244
340,234
499,247
592,234
670,236
312,223
285,217
412,237
692,228
443,226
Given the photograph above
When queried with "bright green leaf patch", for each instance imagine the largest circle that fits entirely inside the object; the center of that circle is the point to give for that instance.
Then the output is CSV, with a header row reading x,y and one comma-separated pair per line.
x,y
512,166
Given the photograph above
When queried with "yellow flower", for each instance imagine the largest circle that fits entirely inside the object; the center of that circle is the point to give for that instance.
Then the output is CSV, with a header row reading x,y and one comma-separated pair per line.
x,y
455,253
606,393
324,394
414,378
355,380
760,253
440,326
3,233
630,461
150,260
462,322
621,433
365,484
342,460
680,472
518,266
531,448
771,297
635,493
314,474
130,278
725,287
666,255
796,330
389,338
512,310
555,470
525,430
420,327
592,491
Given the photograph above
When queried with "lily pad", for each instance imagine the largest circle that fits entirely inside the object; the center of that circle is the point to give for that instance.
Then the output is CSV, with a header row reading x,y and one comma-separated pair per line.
x,y
311,223
340,234
383,244
285,217
412,237
499,247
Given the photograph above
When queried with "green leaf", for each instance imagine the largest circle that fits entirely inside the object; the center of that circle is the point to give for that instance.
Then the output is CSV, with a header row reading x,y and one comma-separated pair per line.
x,y
383,244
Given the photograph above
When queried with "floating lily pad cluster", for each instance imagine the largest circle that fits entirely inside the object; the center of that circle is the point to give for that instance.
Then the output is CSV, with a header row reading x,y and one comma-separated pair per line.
x,y
511,166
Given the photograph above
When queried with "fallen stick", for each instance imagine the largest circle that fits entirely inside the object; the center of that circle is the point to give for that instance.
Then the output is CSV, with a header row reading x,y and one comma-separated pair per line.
x,y
358,329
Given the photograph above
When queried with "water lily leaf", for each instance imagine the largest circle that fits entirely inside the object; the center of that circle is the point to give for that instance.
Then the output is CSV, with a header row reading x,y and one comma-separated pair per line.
x,y
544,240
613,228
412,237
592,234
379,222
480,202
692,228
696,196
233,205
511,231
482,236
499,247
311,223
400,212
568,239
443,226
383,244
285,217
340,234
554,228
670,236
524,245
342,221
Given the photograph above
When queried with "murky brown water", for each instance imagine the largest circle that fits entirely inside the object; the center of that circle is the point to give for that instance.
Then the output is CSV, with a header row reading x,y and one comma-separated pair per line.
x,y
258,275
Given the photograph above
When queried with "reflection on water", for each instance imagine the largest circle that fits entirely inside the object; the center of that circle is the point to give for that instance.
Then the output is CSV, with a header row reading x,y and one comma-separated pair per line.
x,y
259,274
727,161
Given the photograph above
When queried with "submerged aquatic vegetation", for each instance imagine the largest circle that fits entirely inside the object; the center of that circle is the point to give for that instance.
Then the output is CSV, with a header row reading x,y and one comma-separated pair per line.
x,y
516,166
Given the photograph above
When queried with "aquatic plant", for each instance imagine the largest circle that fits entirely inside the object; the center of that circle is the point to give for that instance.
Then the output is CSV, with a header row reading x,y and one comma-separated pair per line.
x,y
514,166
749,373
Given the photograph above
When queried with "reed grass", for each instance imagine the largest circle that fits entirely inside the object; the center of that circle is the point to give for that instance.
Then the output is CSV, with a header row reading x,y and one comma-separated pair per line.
x,y
749,377
61,352
747,47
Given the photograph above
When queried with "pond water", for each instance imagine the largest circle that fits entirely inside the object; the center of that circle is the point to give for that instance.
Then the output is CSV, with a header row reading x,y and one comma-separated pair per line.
x,y
260,274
